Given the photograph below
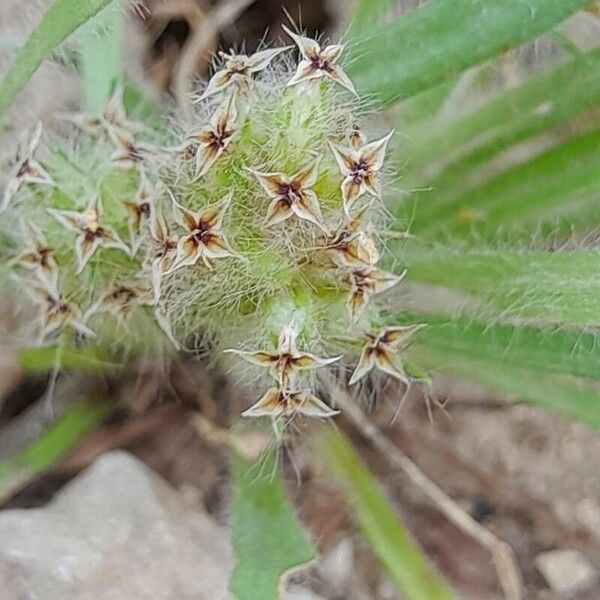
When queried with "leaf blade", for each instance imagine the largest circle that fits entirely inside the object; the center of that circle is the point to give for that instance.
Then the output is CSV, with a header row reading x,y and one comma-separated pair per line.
x,y
437,41
53,444
389,539
268,542
60,20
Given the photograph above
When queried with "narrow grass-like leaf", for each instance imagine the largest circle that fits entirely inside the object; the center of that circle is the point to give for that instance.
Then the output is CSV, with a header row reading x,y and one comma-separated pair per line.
x,y
268,541
367,15
17,471
555,351
522,193
61,20
101,65
437,41
393,545
518,369
86,359
562,288
565,91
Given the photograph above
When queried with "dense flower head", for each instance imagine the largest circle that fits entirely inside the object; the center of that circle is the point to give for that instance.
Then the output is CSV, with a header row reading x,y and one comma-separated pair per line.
x,y
253,224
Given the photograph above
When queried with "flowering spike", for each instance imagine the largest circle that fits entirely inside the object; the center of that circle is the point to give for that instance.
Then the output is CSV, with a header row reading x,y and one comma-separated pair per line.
x,y
360,168
292,195
286,361
27,169
213,139
238,70
91,232
205,240
318,63
164,249
382,351
279,403
367,282
38,256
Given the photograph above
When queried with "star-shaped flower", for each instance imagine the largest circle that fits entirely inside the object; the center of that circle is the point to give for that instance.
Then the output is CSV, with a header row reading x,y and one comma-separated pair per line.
x,y
205,239
286,361
281,403
360,168
57,312
140,210
113,117
367,282
27,169
317,63
382,350
238,70
128,153
352,246
38,256
120,300
91,233
213,139
164,249
292,195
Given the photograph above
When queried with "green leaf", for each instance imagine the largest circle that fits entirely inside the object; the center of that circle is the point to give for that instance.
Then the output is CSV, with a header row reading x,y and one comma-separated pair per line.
x,y
391,542
367,16
268,542
47,358
101,66
546,287
62,19
437,41
555,351
521,194
565,91
45,452
555,370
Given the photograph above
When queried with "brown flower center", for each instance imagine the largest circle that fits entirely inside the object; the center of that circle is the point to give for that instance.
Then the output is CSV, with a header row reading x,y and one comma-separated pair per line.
x,y
290,192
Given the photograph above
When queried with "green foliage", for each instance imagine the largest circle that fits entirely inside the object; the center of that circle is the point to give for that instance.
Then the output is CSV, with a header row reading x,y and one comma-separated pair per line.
x,y
387,535
61,20
519,195
434,43
268,542
101,66
51,446
541,102
552,288
557,370
367,15
46,358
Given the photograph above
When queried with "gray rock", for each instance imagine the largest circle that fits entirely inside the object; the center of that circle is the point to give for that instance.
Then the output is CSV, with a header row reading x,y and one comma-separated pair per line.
x,y
566,570
116,532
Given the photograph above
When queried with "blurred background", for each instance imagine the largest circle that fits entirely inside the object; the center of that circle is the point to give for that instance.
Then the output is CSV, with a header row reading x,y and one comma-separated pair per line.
x,y
527,475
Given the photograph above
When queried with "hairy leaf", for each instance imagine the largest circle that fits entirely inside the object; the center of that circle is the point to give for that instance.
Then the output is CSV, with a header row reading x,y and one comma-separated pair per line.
x,y
268,542
101,66
546,287
556,370
61,20
437,41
